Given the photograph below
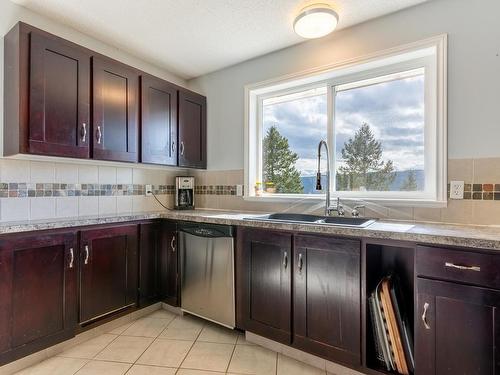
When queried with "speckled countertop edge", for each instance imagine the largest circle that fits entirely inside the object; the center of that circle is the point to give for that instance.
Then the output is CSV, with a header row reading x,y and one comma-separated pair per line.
x,y
480,237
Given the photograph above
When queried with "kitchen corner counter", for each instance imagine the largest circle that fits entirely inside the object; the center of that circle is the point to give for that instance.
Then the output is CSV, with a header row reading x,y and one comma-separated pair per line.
x,y
480,237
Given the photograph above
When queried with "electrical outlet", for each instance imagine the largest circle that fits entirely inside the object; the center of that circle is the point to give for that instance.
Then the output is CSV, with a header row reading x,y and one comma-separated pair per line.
x,y
149,190
456,190
239,190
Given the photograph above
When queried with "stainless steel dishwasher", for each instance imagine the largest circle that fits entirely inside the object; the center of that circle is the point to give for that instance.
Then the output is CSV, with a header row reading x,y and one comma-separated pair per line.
x,y
207,272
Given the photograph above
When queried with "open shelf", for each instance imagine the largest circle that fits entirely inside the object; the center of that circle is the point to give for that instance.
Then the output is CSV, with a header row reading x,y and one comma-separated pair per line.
x,y
382,260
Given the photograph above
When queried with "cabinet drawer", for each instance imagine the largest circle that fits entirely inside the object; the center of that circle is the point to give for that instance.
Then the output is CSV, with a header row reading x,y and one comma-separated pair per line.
x,y
457,265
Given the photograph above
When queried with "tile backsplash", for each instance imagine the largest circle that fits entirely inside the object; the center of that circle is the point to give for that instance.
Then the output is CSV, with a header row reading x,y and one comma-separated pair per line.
x,y
37,190
481,203
40,190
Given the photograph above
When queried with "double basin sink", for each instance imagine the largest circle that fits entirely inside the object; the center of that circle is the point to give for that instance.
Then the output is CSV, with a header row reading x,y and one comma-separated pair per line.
x,y
339,221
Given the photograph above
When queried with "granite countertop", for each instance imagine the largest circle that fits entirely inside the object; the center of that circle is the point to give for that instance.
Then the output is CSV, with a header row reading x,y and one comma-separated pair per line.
x,y
481,237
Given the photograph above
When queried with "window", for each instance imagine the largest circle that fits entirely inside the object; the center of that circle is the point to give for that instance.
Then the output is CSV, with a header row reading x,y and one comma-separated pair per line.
x,y
291,127
383,118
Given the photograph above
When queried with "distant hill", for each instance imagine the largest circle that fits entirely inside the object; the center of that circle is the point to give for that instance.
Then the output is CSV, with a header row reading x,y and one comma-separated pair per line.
x,y
309,182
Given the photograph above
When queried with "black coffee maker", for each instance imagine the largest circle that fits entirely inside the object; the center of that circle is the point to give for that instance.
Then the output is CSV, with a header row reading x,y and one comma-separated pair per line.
x,y
184,193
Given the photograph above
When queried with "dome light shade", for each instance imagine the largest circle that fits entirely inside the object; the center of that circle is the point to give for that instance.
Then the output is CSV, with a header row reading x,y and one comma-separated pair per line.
x,y
315,21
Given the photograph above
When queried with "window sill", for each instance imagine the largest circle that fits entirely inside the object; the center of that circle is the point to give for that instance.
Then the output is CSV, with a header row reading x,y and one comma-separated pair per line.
x,y
397,202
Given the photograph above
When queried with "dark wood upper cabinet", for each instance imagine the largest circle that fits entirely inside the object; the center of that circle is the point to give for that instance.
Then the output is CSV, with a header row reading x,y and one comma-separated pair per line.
x,y
66,100
457,329
38,291
192,130
158,121
59,118
48,84
327,297
264,264
115,111
169,264
108,273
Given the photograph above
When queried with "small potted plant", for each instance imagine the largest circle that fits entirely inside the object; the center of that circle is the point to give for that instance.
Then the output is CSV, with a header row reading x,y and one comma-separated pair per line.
x,y
270,188
258,188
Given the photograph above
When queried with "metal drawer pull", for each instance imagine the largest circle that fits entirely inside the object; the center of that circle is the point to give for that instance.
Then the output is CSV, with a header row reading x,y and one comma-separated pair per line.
x,y
424,316
172,244
285,259
99,134
465,268
300,262
84,132
71,257
86,261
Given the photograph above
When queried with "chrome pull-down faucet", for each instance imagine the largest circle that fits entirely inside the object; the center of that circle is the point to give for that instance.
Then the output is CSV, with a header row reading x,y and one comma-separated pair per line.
x,y
328,208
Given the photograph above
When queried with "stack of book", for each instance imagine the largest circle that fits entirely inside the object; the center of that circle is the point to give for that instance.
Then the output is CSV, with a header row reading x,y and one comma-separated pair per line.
x,y
391,328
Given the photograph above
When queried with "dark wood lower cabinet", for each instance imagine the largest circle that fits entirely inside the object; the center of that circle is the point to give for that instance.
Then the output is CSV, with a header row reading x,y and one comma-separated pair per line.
x,y
327,297
38,291
265,282
169,264
108,274
457,329
149,262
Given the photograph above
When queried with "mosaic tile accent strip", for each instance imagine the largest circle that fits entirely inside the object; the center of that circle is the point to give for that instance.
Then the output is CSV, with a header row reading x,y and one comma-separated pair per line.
x,y
23,189
215,189
486,192
19,190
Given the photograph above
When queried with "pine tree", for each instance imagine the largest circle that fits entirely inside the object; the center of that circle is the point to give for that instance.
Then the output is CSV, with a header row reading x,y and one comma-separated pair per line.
x,y
279,163
364,166
410,184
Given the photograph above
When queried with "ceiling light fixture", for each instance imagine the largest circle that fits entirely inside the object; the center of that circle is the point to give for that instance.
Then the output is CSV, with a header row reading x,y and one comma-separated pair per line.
x,y
315,21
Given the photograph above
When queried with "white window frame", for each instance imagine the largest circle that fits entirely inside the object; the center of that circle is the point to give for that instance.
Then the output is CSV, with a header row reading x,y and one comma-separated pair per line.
x,y
429,54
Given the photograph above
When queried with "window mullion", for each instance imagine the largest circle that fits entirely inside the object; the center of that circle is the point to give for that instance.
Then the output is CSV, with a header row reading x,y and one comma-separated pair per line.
x,y
331,135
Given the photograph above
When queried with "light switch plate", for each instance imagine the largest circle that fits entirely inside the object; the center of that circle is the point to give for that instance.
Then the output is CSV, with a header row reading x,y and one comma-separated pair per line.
x,y
148,191
456,189
239,190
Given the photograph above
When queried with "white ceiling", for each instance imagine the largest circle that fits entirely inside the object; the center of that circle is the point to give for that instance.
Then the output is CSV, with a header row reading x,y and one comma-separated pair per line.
x,y
193,37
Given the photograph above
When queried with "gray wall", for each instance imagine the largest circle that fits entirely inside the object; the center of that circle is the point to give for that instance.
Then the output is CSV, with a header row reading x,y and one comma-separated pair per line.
x,y
473,74
11,13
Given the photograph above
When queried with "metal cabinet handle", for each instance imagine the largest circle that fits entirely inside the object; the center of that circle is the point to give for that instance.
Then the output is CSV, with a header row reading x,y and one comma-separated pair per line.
x,y
99,134
173,146
172,244
300,262
285,259
181,149
86,261
424,316
84,132
460,267
71,257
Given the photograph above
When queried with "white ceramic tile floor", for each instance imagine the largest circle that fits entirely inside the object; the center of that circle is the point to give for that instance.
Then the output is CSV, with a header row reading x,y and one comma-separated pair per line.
x,y
163,343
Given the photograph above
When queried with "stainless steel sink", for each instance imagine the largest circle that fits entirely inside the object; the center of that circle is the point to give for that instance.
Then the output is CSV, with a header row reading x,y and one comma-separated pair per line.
x,y
339,221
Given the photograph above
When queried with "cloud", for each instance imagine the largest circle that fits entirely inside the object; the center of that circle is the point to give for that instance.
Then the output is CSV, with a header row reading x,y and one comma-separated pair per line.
x,y
394,110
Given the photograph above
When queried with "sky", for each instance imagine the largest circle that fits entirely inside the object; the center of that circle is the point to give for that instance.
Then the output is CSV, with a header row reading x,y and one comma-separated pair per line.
x,y
394,110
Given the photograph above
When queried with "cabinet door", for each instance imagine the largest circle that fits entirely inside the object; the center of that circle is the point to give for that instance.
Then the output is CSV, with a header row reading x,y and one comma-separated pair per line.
x,y
158,121
116,101
192,130
108,270
264,301
327,297
38,292
169,265
457,329
148,262
59,98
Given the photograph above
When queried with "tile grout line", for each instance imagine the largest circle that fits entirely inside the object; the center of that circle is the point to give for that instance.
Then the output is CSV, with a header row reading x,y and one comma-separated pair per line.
x,y
154,339
191,347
